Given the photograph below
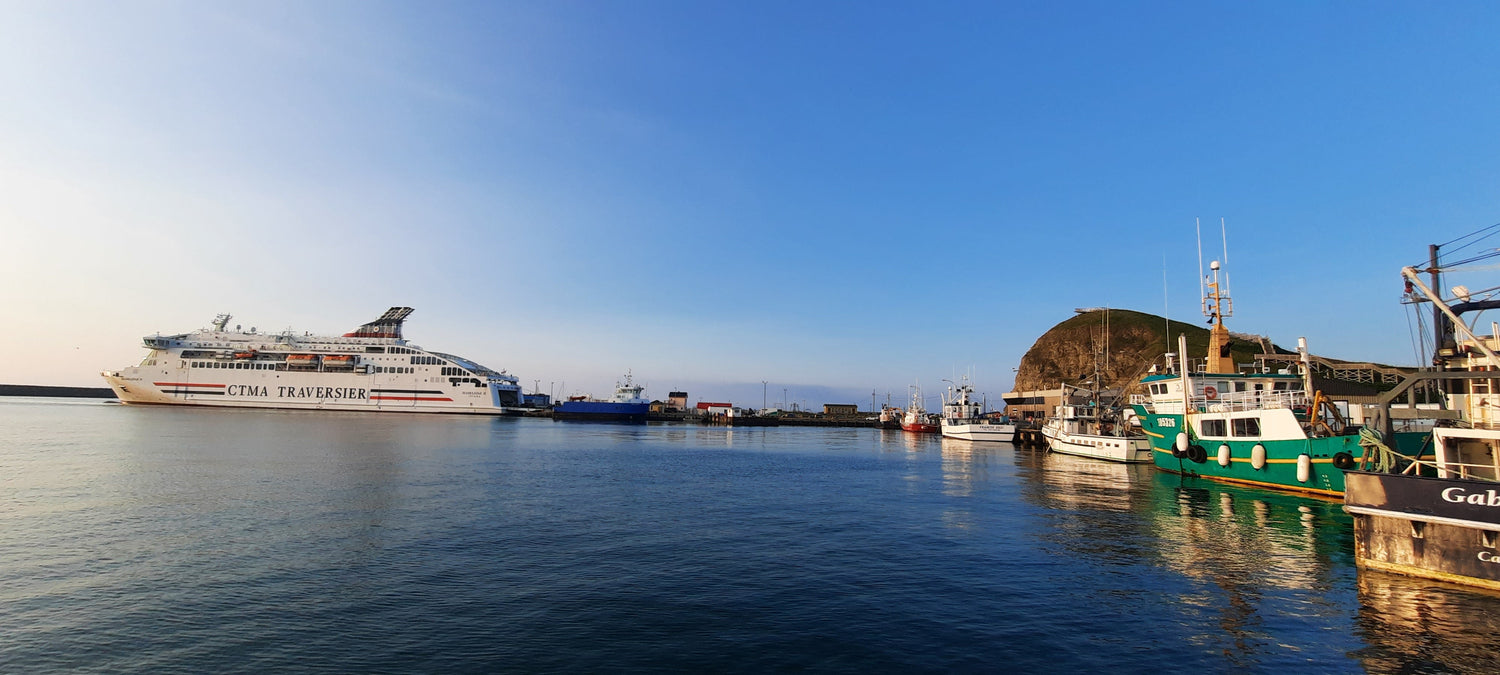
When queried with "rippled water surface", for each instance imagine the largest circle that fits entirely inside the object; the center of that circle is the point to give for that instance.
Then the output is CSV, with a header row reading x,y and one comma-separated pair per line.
x,y
186,541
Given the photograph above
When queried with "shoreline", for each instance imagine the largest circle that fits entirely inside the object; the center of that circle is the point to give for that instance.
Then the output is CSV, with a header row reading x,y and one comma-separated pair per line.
x,y
54,391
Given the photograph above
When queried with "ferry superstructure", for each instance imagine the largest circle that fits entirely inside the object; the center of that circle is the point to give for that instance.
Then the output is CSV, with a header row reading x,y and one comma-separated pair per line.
x,y
372,368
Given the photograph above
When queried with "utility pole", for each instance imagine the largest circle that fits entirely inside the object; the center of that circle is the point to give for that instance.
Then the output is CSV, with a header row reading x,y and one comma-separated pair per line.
x,y
762,394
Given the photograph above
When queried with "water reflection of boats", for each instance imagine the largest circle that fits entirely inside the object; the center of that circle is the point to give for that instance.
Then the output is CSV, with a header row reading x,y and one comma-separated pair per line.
x,y
966,463
1238,538
920,442
1082,482
1415,625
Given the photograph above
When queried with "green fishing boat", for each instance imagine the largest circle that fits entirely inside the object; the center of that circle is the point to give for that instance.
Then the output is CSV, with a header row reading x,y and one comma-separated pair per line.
x,y
1270,429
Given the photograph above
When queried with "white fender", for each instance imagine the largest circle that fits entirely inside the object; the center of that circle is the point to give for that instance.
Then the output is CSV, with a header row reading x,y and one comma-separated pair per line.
x,y
1258,457
1224,455
1182,441
1304,468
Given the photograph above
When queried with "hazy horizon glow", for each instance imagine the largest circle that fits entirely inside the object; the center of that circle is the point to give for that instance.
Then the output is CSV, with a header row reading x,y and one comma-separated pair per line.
x,y
836,198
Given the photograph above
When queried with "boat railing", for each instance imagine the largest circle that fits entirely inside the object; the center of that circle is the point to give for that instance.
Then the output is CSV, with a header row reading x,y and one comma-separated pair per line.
x,y
1484,472
1232,401
1239,401
1382,459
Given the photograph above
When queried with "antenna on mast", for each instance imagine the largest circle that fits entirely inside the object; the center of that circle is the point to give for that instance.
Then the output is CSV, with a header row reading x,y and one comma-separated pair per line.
x,y
1198,224
1224,232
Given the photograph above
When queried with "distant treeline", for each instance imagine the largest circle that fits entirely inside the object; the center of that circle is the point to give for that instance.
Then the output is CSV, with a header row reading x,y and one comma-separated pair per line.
x,y
65,392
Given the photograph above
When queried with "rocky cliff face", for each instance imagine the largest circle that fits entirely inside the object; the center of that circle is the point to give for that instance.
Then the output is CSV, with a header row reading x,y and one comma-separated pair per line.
x,y
1070,351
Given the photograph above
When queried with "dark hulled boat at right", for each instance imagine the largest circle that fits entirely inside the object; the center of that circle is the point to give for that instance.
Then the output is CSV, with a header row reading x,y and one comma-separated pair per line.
x,y
1436,513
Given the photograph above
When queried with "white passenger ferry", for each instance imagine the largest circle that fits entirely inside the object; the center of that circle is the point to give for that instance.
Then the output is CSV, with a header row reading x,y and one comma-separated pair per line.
x,y
370,368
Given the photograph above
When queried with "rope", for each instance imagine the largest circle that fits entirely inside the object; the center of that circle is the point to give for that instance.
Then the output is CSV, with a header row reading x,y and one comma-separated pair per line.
x,y
1377,455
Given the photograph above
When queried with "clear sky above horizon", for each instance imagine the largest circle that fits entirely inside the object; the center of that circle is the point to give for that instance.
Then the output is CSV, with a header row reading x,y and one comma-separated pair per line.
x,y
837,198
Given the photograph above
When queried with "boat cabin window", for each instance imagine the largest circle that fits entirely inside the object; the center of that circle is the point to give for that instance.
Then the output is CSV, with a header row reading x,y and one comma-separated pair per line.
x,y
1246,427
1281,386
374,350
1214,428
1240,386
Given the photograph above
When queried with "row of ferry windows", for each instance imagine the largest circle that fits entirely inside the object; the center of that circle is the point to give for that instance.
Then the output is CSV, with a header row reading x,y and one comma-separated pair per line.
x,y
234,365
242,365
1248,427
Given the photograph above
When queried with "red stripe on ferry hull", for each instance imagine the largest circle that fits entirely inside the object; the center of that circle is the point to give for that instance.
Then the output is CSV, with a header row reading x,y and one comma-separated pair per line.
x,y
407,398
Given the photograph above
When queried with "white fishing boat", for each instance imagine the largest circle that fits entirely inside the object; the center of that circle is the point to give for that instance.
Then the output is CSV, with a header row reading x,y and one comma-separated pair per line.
x,y
372,368
964,418
1090,430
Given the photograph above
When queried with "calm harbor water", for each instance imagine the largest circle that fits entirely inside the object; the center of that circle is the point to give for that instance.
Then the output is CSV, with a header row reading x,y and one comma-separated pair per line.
x,y
163,540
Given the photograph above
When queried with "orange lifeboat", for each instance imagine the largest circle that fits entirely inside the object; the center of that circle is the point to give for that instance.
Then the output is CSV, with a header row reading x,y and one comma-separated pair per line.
x,y
302,359
245,355
343,360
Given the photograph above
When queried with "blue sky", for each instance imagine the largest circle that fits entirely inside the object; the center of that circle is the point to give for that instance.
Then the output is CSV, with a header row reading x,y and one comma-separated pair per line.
x,y
838,198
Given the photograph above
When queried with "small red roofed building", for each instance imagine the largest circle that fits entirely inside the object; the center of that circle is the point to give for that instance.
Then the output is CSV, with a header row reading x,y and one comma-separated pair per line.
x,y
706,408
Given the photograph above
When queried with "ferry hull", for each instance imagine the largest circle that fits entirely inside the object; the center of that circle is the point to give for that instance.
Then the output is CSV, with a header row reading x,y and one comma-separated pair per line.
x,y
1283,458
299,391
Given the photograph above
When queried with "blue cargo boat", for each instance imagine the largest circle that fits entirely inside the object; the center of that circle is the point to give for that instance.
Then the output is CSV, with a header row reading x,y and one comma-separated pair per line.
x,y
627,405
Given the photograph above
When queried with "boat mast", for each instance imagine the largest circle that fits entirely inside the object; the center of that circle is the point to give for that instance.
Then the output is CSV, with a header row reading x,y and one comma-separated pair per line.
x,y
1216,306
1441,308
1187,384
1437,314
